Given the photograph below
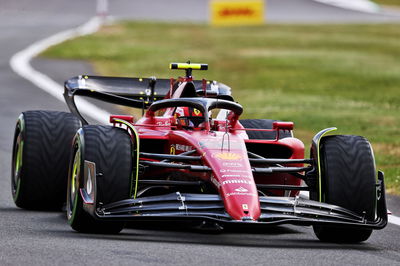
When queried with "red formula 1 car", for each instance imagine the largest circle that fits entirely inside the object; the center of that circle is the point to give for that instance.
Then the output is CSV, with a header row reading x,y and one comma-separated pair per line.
x,y
190,158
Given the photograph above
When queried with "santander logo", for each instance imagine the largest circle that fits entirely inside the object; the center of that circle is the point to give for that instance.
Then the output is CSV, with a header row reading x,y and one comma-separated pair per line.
x,y
241,189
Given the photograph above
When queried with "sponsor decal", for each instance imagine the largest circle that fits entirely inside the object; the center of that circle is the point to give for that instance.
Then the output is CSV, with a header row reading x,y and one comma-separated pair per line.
x,y
163,124
239,12
241,189
240,194
231,176
180,147
229,156
217,144
233,171
236,12
172,150
196,112
237,181
245,207
232,164
238,176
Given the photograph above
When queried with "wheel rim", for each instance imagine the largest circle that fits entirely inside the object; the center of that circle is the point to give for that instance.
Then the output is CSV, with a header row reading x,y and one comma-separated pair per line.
x,y
73,184
17,163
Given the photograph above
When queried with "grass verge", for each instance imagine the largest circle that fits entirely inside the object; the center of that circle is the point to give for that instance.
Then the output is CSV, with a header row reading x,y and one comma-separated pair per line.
x,y
388,2
319,76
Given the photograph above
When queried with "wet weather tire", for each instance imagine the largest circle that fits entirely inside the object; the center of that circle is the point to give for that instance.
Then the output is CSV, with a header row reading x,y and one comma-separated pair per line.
x,y
109,148
263,124
348,180
41,151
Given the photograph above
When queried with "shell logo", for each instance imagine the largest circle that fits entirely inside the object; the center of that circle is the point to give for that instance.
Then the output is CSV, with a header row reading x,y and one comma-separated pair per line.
x,y
230,156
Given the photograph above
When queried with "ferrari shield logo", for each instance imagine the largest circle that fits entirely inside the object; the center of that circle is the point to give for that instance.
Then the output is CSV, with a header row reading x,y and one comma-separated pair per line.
x,y
196,112
172,150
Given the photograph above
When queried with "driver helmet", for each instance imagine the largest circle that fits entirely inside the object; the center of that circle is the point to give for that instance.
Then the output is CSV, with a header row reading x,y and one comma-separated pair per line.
x,y
189,117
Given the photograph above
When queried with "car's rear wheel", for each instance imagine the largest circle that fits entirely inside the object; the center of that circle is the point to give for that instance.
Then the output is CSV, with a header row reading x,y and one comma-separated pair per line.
x,y
41,150
109,148
263,124
348,180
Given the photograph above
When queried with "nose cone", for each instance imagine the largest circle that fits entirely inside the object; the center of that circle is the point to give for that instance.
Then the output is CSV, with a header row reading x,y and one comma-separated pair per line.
x,y
241,198
226,154
234,178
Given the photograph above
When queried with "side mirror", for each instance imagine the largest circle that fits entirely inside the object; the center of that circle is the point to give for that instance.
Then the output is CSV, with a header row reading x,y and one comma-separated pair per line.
x,y
277,125
282,125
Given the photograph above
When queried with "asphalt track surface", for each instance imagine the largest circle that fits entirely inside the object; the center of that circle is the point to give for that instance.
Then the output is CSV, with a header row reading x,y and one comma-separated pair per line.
x,y
44,238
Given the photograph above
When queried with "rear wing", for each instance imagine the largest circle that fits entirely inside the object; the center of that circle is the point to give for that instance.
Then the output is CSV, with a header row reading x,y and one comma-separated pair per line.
x,y
134,92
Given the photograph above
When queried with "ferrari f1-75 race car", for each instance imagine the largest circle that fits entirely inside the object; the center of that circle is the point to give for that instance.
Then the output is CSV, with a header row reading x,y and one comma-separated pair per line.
x,y
190,158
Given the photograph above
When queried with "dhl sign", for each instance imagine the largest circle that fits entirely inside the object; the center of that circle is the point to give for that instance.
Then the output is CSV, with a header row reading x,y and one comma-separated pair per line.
x,y
237,12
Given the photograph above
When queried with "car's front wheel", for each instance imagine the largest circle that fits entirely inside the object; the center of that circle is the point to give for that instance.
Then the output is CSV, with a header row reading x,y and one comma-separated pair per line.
x,y
109,148
348,180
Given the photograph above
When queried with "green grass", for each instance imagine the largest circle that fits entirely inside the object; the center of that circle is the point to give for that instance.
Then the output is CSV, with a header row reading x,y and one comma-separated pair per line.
x,y
388,2
318,76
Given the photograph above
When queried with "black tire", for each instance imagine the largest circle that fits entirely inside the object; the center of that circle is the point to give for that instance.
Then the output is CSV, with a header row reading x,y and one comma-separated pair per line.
x,y
348,180
41,151
263,124
110,149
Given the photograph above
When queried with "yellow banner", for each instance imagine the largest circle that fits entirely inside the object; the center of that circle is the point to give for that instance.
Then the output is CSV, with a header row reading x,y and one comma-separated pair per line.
x,y
237,12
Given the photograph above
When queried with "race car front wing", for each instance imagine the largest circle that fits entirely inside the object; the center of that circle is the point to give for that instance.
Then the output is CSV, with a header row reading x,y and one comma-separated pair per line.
x,y
210,207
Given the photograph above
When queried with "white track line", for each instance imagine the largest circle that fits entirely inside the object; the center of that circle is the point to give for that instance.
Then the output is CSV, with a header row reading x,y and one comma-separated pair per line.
x,y
366,6
394,219
20,63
